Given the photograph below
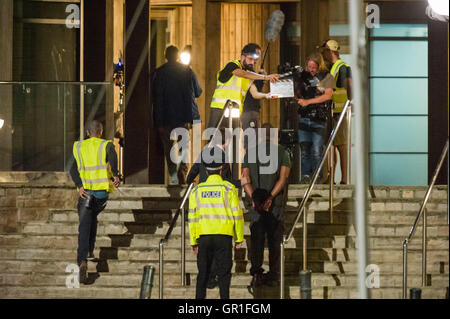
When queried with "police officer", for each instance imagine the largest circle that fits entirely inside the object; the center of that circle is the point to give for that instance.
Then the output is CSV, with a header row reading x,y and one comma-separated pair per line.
x,y
215,217
94,166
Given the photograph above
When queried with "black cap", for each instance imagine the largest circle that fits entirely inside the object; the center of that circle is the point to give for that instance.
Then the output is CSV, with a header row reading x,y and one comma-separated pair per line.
x,y
213,158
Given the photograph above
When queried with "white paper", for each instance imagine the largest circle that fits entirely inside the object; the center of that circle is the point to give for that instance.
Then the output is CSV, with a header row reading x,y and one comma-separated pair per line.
x,y
283,88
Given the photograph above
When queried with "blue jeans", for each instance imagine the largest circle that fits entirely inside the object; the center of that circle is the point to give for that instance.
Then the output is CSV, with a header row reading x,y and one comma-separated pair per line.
x,y
311,138
87,229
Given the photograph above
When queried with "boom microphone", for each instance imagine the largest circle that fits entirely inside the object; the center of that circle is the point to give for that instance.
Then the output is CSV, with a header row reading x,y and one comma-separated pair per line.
x,y
273,28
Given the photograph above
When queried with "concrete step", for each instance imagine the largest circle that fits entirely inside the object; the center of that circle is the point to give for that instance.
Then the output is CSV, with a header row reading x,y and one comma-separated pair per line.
x,y
297,190
117,228
317,217
145,241
346,255
160,229
315,202
293,292
147,203
100,280
292,268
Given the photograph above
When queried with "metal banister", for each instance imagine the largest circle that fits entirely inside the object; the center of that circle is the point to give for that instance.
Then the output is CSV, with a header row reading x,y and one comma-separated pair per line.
x,y
164,240
302,206
422,212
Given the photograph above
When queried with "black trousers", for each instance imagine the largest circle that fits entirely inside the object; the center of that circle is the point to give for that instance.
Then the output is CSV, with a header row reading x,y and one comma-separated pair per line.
x,y
220,248
263,225
87,228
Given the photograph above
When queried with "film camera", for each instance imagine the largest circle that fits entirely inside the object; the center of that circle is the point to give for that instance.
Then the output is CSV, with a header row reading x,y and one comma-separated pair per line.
x,y
287,70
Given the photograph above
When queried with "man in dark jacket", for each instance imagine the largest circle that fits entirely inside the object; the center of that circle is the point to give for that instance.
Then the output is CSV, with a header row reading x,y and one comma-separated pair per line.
x,y
266,219
174,92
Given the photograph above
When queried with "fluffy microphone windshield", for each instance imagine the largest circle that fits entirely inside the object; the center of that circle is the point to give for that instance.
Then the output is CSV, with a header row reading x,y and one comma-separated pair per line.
x,y
274,25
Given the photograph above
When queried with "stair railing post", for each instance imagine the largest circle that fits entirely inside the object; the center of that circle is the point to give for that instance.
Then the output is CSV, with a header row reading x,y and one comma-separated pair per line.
x,y
183,246
331,199
282,267
161,269
424,248
349,144
305,238
405,268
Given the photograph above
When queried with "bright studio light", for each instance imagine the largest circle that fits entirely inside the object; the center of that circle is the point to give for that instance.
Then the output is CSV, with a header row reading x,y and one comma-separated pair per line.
x,y
234,113
439,6
1,123
185,58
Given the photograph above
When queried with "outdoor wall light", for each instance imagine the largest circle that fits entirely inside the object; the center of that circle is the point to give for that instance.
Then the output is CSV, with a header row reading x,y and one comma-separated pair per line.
x,y
235,113
439,6
185,58
185,55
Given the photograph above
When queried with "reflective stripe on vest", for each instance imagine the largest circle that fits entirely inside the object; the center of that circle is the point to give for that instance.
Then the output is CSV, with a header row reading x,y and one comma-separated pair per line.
x,y
90,156
340,95
235,89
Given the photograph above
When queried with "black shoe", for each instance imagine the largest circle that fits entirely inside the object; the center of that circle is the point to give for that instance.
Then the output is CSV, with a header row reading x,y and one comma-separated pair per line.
x,y
257,280
91,256
83,272
213,283
305,180
271,280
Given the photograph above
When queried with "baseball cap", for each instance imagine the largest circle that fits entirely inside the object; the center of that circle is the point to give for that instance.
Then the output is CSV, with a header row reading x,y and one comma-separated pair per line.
x,y
333,45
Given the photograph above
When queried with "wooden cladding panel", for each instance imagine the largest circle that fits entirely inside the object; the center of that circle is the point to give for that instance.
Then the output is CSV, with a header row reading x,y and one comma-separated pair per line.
x,y
180,23
244,23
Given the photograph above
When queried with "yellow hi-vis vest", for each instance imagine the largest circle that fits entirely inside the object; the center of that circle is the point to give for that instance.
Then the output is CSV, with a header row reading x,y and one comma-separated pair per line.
x,y
95,172
340,94
214,209
235,90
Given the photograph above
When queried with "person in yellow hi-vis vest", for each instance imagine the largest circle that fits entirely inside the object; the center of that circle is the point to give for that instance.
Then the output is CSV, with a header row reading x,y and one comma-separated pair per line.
x,y
235,79
94,172
343,92
215,217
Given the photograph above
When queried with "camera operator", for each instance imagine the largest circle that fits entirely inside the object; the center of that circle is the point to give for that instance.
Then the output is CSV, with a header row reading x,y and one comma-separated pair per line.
x,y
315,87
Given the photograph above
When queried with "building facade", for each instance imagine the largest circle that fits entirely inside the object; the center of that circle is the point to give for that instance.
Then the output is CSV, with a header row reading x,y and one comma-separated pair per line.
x,y
58,61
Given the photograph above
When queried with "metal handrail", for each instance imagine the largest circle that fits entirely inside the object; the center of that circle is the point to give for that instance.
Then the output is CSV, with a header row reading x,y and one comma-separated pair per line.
x,y
332,163
302,206
164,240
422,212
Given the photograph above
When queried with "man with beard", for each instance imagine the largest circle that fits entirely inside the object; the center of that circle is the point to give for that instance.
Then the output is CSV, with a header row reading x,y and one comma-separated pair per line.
x,y
235,79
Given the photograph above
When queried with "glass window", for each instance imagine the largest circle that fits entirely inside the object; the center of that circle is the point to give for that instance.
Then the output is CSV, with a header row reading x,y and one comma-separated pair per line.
x,y
399,58
400,30
399,169
399,96
339,30
399,105
399,134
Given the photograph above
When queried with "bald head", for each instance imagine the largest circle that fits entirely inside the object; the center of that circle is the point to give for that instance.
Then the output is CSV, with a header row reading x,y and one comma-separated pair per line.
x,y
94,129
